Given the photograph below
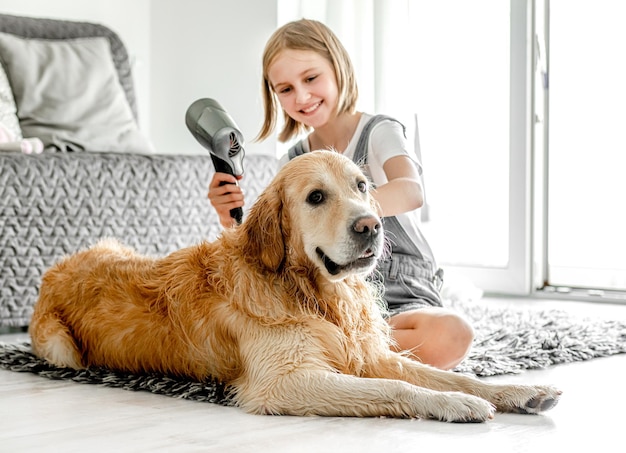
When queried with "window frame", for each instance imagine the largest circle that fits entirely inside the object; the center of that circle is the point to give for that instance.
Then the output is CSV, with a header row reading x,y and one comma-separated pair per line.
x,y
542,286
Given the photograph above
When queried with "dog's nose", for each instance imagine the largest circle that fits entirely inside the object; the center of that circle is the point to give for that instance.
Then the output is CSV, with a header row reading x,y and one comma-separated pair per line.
x,y
367,225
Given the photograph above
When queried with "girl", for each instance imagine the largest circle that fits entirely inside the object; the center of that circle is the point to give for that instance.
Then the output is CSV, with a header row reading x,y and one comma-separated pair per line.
x,y
309,73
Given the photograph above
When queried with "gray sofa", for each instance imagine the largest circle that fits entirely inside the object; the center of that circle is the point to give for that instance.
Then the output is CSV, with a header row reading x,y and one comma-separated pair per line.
x,y
64,199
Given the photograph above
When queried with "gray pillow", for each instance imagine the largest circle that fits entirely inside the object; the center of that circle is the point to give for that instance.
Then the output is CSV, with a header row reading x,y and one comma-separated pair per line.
x,y
68,94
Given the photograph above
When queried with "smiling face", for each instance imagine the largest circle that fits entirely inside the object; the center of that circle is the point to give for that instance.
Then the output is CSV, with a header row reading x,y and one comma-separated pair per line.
x,y
305,85
331,214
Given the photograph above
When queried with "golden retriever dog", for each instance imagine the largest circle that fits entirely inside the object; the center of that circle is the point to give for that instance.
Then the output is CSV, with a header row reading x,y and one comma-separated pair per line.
x,y
278,308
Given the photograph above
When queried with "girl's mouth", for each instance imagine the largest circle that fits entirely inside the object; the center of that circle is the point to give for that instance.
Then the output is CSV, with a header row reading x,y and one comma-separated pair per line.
x,y
311,109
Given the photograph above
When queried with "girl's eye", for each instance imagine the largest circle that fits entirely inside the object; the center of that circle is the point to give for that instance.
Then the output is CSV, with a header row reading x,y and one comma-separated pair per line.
x,y
316,197
311,79
284,90
362,185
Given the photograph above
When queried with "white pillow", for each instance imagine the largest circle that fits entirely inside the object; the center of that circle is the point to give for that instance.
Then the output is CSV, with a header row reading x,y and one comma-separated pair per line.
x,y
68,94
8,111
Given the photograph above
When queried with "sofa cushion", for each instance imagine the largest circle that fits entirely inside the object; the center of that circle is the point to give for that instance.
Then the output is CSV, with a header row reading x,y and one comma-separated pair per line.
x,y
68,94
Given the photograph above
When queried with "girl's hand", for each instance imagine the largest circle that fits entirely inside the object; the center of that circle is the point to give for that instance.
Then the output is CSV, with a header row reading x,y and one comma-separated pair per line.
x,y
225,197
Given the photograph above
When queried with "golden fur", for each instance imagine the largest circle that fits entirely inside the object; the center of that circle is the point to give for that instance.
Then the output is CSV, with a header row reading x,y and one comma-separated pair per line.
x,y
278,308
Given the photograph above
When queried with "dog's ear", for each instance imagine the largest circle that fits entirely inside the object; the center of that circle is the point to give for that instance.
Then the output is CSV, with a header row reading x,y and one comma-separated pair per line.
x,y
263,229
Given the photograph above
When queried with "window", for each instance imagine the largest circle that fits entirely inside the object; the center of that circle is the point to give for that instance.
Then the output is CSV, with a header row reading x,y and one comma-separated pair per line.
x,y
586,144
520,126
470,71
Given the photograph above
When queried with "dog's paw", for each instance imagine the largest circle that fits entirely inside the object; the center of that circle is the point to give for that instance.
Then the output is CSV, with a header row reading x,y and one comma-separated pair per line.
x,y
458,407
528,399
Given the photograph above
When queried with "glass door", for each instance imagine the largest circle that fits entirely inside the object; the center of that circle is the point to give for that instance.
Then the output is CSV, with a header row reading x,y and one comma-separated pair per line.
x,y
586,230
471,75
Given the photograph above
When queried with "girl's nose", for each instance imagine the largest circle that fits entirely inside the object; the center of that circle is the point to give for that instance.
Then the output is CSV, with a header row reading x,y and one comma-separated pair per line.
x,y
302,95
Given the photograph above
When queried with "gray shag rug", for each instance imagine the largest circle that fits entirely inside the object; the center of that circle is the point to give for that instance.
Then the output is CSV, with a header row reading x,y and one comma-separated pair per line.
x,y
511,340
508,340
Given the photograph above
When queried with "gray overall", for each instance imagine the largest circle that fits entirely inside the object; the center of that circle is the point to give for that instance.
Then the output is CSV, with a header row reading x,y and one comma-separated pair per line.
x,y
409,276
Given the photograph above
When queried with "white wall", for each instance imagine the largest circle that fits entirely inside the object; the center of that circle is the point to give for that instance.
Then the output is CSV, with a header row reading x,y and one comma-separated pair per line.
x,y
182,50
210,49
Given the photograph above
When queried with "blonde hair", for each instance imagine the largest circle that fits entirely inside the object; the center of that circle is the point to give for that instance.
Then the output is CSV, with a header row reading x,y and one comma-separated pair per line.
x,y
305,34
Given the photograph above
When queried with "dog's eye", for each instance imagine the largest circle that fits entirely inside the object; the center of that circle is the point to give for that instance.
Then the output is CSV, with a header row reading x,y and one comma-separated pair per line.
x,y
315,197
362,185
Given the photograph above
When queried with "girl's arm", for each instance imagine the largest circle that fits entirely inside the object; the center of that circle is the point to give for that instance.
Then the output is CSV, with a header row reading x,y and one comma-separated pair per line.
x,y
403,191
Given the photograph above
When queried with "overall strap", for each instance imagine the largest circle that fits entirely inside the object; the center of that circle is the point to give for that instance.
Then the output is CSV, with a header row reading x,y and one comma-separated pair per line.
x,y
360,153
296,150
398,237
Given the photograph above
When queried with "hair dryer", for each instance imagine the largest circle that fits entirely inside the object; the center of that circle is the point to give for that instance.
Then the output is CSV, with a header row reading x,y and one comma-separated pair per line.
x,y
209,123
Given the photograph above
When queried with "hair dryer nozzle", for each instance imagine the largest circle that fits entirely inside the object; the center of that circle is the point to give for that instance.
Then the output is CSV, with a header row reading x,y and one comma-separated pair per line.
x,y
213,127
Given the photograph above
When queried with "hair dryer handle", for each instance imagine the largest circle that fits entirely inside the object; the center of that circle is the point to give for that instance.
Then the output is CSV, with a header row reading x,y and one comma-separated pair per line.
x,y
223,167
